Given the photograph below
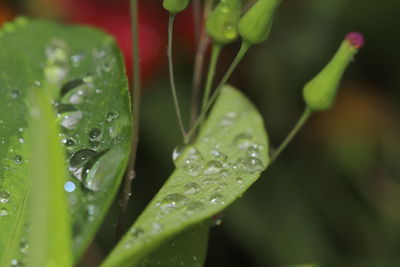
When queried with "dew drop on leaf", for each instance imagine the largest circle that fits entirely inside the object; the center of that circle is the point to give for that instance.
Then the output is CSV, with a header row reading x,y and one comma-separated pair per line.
x,y
191,188
250,165
194,207
4,197
69,187
111,116
243,140
3,212
213,167
18,159
94,134
216,198
173,201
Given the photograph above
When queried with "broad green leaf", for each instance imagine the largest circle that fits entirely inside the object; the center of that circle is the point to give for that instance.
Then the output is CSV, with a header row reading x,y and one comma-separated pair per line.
x,y
83,71
227,157
50,232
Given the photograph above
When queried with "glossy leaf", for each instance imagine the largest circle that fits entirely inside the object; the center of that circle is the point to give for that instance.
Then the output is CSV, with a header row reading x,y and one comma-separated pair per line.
x,y
50,232
227,157
82,70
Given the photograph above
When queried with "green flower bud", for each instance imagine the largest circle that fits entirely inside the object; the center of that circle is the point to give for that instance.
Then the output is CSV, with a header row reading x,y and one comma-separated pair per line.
x,y
320,93
175,6
255,25
222,23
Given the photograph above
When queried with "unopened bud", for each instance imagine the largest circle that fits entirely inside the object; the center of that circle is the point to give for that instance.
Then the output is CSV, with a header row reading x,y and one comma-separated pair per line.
x,y
222,23
175,6
255,25
320,93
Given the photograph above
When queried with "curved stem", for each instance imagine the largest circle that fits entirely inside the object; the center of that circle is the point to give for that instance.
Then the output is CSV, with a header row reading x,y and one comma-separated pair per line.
x,y
199,63
216,50
304,117
171,75
135,106
242,52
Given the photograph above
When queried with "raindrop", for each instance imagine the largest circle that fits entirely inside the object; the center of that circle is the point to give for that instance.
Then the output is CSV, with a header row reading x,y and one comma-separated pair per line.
x,y
68,142
23,246
173,201
243,140
191,188
18,159
213,167
91,212
136,232
20,129
21,140
94,134
4,197
111,116
216,198
78,161
56,52
15,93
219,155
71,119
15,263
254,150
76,59
209,181
69,186
3,212
55,73
250,165
67,87
239,180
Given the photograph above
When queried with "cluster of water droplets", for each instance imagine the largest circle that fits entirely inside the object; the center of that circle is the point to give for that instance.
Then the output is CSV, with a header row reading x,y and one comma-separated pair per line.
x,y
206,177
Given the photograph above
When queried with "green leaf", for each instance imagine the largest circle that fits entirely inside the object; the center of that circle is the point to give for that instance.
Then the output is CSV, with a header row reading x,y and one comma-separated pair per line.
x,y
50,233
227,157
82,70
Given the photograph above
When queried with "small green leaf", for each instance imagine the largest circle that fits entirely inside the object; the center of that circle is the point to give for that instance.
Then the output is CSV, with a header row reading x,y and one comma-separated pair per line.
x,y
50,232
227,157
82,70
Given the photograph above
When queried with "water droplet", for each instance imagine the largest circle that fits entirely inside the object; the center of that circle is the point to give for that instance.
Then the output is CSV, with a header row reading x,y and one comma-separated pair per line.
x,y
55,73
243,140
69,187
173,201
254,150
91,212
111,116
94,134
191,188
4,197
20,129
16,263
23,246
76,59
71,119
213,167
21,140
221,186
78,161
69,142
56,51
210,181
18,159
3,212
136,232
250,165
219,155
216,198
194,207
15,94
218,222
239,180
156,227
224,173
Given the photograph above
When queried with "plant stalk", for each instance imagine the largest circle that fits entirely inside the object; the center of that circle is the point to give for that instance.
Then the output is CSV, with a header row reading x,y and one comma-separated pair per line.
x,y
135,106
216,51
304,117
201,50
242,52
171,75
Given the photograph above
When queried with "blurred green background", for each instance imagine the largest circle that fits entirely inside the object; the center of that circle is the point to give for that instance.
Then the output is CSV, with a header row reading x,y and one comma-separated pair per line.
x,y
333,196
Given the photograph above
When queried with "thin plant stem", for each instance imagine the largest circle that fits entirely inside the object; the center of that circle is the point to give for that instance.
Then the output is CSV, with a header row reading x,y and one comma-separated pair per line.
x,y
304,117
135,106
242,52
197,19
171,75
216,51
201,50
